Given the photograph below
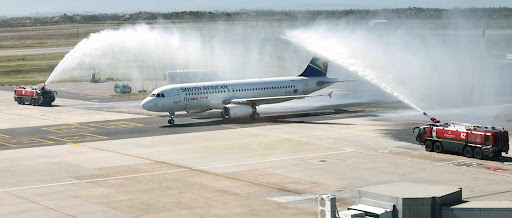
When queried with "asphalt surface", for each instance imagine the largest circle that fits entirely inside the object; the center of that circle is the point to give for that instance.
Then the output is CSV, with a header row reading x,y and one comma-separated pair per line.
x,y
18,138
205,166
49,135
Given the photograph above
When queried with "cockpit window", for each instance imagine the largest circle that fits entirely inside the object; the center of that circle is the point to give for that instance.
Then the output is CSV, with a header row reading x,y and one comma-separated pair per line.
x,y
158,95
152,95
163,96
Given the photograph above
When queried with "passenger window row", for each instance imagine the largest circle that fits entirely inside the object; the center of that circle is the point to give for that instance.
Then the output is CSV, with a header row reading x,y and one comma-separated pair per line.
x,y
239,90
206,93
263,88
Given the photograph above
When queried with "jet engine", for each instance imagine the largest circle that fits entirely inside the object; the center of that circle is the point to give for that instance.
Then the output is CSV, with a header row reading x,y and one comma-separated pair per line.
x,y
237,110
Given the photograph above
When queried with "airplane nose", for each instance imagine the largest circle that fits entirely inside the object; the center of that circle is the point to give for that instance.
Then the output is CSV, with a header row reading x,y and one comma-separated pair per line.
x,y
146,104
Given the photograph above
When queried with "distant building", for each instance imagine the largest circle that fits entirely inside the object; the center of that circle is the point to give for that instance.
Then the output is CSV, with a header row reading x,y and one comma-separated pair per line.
x,y
377,22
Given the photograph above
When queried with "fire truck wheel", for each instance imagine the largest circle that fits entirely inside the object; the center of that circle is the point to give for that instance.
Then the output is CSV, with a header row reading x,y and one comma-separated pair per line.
x,y
33,102
438,147
478,153
428,146
18,100
468,151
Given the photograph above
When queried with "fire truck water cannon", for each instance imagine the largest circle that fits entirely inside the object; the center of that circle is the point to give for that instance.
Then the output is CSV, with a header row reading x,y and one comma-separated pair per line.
x,y
34,96
433,119
471,140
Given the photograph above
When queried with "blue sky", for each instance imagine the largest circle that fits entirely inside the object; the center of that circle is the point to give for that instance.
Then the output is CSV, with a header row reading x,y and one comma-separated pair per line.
x,y
29,7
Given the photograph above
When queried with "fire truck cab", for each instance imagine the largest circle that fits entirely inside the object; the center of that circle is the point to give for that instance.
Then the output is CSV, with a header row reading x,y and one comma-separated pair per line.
x,y
468,139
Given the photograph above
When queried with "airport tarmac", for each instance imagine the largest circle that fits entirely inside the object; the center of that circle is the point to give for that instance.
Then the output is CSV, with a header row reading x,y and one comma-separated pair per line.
x,y
79,159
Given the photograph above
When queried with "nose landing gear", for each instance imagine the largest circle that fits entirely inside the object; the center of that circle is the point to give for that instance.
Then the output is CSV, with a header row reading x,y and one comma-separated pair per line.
x,y
171,120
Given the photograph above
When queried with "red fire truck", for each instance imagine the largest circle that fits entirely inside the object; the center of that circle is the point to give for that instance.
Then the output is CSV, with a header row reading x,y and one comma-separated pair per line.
x,y
34,96
468,139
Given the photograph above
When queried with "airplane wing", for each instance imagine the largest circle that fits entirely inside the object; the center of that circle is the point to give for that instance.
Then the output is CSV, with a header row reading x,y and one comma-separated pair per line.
x,y
270,100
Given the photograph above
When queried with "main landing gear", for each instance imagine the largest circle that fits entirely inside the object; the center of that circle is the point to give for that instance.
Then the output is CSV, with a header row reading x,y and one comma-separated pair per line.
x,y
254,116
171,120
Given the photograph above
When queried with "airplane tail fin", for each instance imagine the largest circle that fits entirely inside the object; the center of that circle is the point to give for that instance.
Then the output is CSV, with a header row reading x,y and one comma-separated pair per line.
x,y
317,67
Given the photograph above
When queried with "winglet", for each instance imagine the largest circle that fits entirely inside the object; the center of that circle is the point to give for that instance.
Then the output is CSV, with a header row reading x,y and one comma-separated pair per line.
x,y
330,94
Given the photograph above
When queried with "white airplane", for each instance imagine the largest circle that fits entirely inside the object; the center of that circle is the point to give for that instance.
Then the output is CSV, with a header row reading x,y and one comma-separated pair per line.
x,y
239,98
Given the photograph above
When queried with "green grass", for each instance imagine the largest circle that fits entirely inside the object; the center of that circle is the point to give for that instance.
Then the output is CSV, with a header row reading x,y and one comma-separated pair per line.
x,y
46,36
35,69
27,69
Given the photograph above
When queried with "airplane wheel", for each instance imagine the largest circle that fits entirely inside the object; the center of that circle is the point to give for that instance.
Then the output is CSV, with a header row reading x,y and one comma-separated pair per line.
x,y
171,120
255,116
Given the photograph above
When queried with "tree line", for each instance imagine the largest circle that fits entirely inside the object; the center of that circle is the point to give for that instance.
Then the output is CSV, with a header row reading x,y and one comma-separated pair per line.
x,y
412,13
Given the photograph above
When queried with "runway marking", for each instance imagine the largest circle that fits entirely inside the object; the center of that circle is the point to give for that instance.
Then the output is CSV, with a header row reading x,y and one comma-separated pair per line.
x,y
25,141
4,136
347,204
200,171
15,195
278,135
416,160
117,125
486,195
358,151
72,127
75,144
449,162
496,169
49,142
290,198
170,171
464,164
485,163
3,143
360,133
78,137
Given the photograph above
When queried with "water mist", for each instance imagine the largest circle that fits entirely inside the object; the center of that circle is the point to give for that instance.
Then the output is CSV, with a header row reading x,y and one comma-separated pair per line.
x,y
431,69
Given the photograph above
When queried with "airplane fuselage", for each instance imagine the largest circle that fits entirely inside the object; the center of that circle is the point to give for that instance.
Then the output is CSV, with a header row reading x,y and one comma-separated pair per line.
x,y
215,95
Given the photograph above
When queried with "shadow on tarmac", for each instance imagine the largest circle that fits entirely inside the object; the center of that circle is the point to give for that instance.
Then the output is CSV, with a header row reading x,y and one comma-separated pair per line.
x,y
503,159
277,119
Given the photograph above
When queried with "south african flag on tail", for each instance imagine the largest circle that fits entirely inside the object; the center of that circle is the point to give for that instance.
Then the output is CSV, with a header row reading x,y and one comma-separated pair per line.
x,y
317,67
